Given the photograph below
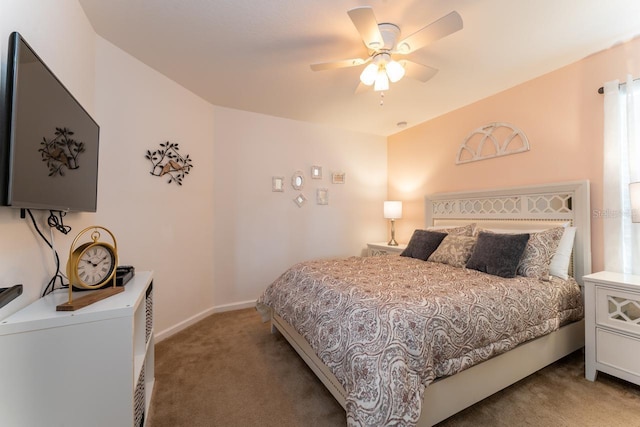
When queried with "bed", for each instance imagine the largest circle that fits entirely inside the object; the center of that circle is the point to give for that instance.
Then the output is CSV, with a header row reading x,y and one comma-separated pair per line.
x,y
399,378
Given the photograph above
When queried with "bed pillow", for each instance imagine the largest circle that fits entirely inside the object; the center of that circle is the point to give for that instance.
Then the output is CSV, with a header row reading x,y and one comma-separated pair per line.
x,y
423,243
559,266
454,250
538,253
464,230
498,254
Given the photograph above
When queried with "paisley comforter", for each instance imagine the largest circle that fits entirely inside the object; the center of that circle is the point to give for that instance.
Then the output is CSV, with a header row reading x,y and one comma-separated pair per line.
x,y
388,326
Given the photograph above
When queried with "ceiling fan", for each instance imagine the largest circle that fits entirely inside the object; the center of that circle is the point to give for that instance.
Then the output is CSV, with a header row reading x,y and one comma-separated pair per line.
x,y
382,42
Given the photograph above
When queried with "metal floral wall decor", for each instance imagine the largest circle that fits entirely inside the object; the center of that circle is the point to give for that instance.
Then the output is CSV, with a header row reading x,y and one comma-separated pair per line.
x,y
61,152
167,161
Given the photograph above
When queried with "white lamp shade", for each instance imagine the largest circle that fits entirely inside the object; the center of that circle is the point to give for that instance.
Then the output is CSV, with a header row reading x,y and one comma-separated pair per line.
x,y
634,197
368,75
382,81
393,210
395,71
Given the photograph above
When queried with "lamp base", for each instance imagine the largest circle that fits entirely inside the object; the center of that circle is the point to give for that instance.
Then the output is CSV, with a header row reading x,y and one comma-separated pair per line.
x,y
393,242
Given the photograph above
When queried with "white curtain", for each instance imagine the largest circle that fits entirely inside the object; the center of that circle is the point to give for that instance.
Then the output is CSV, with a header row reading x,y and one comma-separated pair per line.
x,y
621,167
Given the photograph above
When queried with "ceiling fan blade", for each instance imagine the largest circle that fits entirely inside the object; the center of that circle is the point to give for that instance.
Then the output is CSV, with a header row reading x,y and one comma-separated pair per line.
x,y
444,26
366,24
332,65
418,71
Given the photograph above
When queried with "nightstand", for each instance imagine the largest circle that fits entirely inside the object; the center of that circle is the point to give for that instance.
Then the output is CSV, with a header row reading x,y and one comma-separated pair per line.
x,y
612,322
379,249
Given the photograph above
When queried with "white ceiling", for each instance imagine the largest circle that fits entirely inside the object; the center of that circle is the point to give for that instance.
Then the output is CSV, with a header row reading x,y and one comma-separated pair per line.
x,y
254,55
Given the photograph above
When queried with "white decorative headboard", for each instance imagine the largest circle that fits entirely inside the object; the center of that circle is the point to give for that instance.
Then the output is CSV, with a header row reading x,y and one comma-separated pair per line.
x,y
540,206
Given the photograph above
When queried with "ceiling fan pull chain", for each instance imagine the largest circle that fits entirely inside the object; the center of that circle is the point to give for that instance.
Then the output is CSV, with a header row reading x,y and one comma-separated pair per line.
x,y
381,99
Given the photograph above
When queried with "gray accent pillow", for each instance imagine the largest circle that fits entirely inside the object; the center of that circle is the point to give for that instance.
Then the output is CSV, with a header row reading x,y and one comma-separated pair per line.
x,y
498,254
423,243
454,250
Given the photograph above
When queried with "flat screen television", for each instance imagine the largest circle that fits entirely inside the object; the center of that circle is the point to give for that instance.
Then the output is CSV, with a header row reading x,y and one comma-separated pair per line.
x,y
49,153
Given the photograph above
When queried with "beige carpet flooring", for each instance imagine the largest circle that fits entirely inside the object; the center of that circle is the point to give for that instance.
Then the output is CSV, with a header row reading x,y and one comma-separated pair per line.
x,y
229,370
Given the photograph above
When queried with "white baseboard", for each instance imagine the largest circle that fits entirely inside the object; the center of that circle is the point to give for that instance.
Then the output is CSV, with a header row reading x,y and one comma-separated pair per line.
x,y
193,319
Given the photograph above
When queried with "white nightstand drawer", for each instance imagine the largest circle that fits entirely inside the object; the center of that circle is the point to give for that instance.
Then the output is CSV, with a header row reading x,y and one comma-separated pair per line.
x,y
618,309
618,351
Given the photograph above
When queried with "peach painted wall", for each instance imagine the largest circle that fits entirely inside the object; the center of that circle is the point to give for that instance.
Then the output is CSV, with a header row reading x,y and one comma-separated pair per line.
x,y
562,115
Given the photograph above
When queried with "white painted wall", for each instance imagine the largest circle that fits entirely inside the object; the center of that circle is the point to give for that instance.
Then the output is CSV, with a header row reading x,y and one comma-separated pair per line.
x,y
161,227
216,242
259,233
63,38
205,239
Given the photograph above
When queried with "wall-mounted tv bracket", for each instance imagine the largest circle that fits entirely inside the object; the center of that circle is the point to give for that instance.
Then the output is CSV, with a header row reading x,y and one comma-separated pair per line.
x,y
9,294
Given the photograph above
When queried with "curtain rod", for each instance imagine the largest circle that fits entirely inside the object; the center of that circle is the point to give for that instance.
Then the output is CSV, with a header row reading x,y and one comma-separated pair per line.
x,y
601,88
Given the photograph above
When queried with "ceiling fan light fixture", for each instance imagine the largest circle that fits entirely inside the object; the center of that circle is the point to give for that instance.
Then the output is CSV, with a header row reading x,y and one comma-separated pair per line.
x,y
382,41
369,74
395,71
382,81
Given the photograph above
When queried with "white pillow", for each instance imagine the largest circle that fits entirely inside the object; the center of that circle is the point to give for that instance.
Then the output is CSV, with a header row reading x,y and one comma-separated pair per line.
x,y
559,265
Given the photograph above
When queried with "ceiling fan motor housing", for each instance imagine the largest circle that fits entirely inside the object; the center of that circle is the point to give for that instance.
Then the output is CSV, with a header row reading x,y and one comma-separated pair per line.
x,y
390,36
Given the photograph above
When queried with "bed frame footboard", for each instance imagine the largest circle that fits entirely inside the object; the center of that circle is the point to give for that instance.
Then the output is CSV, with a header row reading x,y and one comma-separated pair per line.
x,y
451,395
448,396
309,356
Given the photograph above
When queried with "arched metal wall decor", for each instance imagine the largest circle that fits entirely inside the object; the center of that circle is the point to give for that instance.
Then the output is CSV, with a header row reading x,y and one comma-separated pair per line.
x,y
492,140
167,161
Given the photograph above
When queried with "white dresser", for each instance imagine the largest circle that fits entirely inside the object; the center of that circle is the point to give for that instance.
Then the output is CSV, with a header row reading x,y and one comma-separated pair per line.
x,y
89,367
612,322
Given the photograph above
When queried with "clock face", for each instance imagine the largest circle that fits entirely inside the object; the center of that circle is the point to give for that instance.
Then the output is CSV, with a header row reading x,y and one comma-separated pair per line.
x,y
95,264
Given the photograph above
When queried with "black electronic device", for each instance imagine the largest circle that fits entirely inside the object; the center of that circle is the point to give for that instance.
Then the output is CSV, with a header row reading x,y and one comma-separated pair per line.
x,y
9,294
49,152
124,273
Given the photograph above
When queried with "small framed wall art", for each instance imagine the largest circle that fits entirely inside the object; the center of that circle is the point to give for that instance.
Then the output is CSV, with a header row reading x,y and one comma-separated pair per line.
x,y
300,200
277,183
337,177
322,196
316,172
297,180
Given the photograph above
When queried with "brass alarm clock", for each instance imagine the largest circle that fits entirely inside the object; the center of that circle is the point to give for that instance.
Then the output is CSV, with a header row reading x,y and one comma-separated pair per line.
x,y
92,264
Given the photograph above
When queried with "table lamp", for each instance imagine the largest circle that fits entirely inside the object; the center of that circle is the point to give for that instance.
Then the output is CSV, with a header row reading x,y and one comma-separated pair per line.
x,y
393,211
